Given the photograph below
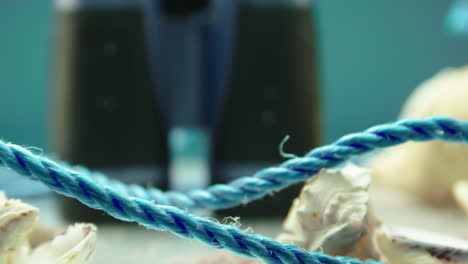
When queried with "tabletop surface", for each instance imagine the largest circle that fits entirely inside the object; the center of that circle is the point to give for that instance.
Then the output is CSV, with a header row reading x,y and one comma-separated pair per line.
x,y
130,243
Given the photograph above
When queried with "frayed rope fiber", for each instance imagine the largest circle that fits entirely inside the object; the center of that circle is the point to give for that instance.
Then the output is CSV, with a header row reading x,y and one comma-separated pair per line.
x,y
158,210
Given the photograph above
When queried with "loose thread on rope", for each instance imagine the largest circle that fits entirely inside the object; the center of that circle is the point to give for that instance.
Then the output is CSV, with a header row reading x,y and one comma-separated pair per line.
x,y
281,149
151,208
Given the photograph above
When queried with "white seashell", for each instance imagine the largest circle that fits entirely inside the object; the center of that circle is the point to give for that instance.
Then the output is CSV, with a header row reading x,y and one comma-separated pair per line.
x,y
420,247
331,213
75,246
429,170
17,221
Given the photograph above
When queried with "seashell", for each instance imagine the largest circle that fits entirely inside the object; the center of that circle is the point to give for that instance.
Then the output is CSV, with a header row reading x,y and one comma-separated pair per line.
x,y
17,222
75,246
41,233
429,170
331,213
420,247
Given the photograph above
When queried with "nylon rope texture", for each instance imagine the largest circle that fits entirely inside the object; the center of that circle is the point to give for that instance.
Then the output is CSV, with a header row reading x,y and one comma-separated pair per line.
x,y
165,211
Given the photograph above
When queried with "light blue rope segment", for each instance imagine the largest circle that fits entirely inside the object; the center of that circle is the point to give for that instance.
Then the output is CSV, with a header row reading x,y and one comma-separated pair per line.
x,y
149,207
295,170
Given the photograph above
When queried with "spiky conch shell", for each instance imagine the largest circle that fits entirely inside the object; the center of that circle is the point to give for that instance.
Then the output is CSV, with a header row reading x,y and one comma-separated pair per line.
x,y
17,222
428,170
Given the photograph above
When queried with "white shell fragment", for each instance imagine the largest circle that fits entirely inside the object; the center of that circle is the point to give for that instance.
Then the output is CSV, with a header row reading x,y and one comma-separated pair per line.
x,y
417,247
429,170
331,213
17,221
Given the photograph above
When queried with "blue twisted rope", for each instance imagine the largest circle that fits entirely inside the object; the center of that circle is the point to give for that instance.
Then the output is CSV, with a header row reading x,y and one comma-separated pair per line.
x,y
294,170
140,209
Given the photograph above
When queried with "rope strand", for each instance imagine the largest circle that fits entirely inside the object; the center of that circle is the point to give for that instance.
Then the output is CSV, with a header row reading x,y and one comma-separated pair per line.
x,y
245,189
131,203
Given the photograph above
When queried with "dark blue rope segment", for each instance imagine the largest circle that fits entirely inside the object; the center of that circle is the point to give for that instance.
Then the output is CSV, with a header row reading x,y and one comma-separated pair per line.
x,y
149,207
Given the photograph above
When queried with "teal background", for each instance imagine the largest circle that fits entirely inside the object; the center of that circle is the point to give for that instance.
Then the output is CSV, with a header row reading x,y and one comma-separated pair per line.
x,y
373,53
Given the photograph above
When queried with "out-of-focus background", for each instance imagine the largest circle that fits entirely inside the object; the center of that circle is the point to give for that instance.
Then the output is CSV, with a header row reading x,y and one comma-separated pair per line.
x,y
372,54
74,83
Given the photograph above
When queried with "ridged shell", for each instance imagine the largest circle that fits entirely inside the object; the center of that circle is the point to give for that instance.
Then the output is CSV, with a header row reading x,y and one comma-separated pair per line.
x,y
331,212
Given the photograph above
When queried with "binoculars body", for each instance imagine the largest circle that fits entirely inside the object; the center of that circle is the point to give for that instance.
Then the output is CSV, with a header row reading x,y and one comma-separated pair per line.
x,y
126,73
